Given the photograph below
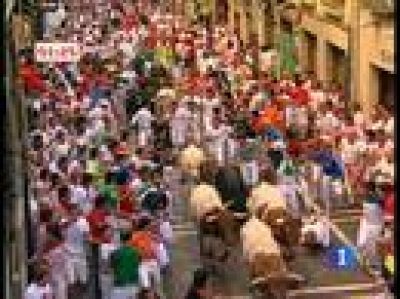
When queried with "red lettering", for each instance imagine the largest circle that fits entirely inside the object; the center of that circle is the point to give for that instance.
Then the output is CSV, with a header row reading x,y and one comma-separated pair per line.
x,y
41,52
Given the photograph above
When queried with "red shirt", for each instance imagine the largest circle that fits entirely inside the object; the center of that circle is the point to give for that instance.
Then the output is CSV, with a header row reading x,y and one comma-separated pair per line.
x,y
32,78
294,148
300,96
129,22
86,84
126,206
389,204
97,222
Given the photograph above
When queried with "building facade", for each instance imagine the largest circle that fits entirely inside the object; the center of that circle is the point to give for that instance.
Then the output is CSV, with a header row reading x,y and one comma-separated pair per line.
x,y
350,41
345,42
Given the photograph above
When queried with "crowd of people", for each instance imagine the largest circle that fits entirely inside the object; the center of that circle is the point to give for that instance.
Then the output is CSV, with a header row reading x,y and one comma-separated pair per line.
x,y
105,132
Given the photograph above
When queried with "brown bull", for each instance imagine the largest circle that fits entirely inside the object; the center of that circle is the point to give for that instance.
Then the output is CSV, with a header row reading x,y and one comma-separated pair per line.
x,y
285,228
218,234
270,279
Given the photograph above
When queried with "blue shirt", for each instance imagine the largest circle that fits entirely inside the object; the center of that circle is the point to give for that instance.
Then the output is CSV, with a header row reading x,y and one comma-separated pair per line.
x,y
331,165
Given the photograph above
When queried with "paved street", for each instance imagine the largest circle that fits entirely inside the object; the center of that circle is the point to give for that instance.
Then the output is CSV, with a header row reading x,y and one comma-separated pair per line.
x,y
318,275
185,257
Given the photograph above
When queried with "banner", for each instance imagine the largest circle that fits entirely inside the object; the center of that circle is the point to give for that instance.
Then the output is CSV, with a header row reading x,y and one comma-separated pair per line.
x,y
287,51
57,52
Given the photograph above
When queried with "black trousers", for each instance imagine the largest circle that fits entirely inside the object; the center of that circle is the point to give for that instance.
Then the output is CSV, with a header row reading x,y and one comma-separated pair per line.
x,y
94,272
276,157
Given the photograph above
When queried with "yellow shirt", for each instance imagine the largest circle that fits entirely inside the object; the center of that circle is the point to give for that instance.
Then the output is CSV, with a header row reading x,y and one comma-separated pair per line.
x,y
389,264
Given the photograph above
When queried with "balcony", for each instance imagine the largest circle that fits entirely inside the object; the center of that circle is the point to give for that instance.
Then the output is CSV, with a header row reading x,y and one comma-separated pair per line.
x,y
308,3
333,10
308,6
380,8
290,4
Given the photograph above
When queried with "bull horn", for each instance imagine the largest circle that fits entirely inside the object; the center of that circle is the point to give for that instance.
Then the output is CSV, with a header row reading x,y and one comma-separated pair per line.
x,y
280,221
258,280
293,277
211,218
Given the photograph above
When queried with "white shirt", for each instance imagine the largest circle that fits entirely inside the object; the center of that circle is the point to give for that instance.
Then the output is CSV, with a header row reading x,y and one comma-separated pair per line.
x,y
368,232
62,149
76,235
181,117
162,255
73,165
166,231
302,117
53,167
384,166
348,151
361,145
58,258
373,146
290,115
82,197
389,126
389,145
359,119
143,118
377,125
36,104
329,122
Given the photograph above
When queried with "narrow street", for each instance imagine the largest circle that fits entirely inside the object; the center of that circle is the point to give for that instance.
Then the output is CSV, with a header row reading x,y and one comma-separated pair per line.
x,y
126,111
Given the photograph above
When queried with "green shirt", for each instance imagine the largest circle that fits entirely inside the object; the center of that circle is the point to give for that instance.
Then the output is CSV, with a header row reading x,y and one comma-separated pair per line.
x,y
125,264
287,168
94,168
110,193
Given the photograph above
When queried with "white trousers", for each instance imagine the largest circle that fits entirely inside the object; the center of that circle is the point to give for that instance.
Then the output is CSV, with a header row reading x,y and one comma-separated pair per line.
x,y
143,137
292,202
77,268
251,173
106,282
148,270
60,286
178,136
